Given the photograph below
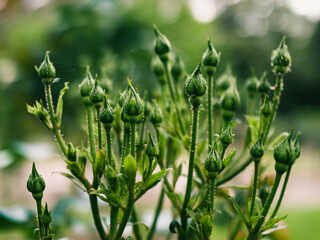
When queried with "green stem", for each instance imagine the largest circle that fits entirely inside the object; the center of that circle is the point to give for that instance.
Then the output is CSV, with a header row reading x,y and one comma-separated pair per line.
x,y
96,216
254,189
99,129
55,129
275,105
254,233
217,121
90,132
156,216
125,216
133,140
125,144
209,109
114,211
190,170
212,194
109,145
284,186
39,212
173,98
235,173
136,228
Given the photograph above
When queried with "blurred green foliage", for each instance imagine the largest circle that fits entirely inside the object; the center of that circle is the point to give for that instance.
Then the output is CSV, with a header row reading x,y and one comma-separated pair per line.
x,y
115,39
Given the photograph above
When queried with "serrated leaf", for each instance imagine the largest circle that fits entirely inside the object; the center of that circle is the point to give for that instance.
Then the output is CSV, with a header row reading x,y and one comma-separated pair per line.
x,y
154,179
59,110
254,125
175,200
73,179
271,222
239,211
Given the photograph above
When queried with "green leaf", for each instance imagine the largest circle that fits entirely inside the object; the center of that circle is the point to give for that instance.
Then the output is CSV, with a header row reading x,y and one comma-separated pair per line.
x,y
279,138
253,220
201,147
73,179
200,196
154,179
271,223
59,109
238,210
41,112
175,200
254,125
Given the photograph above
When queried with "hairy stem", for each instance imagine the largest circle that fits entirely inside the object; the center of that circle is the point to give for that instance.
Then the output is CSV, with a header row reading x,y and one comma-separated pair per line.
x,y
209,110
253,235
284,186
212,194
90,133
173,98
190,169
96,216
254,189
39,212
99,129
56,131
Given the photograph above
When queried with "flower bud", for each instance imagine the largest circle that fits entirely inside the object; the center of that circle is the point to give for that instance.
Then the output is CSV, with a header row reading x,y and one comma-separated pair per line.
x,y
162,45
257,150
156,116
124,117
152,149
106,84
147,109
264,86
210,58
86,84
294,149
107,115
100,162
46,217
196,85
132,105
177,69
266,108
36,184
97,94
82,158
252,84
213,163
71,152
226,137
46,71
225,80
281,59
130,170
281,154
230,100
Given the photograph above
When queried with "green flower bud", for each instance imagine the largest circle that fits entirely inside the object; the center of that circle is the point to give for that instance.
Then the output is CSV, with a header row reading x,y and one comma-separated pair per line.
x,y
264,86
97,94
36,184
86,84
196,85
227,115
225,80
107,115
156,116
46,71
124,117
177,69
82,158
147,109
132,105
230,100
252,84
152,149
294,149
130,170
161,45
71,152
46,217
122,97
266,108
281,59
210,58
213,163
257,150
226,137
157,67
100,162
281,150
106,84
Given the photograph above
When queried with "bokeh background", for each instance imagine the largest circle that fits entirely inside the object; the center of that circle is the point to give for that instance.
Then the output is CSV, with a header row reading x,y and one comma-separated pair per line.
x,y
115,38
